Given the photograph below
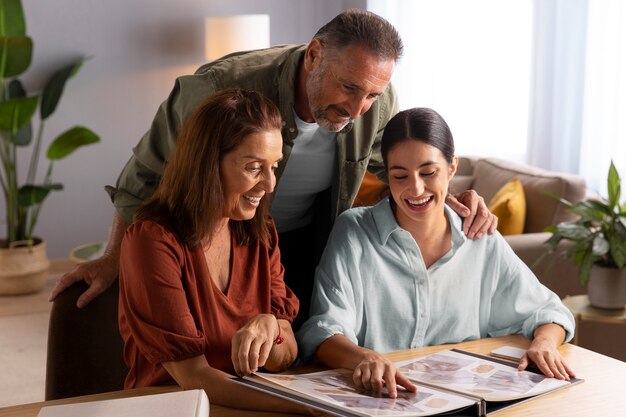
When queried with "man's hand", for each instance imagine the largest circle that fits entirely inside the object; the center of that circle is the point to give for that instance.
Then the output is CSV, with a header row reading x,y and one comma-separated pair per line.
x,y
472,207
376,371
99,274
251,345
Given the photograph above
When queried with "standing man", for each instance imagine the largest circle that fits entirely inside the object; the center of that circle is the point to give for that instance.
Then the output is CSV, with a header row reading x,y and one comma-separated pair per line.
x,y
335,99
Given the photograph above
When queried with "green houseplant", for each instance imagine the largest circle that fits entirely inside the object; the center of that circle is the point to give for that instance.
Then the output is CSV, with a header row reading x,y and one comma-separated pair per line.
x,y
598,236
23,199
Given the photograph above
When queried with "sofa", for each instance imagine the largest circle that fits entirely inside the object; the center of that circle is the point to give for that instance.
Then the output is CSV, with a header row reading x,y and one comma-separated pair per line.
x,y
488,175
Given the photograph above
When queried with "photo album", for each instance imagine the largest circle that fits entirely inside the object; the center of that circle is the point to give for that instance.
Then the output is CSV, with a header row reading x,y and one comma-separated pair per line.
x,y
451,382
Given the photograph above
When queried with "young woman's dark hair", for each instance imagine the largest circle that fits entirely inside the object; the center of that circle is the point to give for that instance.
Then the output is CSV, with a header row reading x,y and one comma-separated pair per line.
x,y
189,198
421,124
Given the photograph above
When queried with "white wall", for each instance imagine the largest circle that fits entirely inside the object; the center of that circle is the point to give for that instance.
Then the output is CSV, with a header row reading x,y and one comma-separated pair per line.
x,y
138,47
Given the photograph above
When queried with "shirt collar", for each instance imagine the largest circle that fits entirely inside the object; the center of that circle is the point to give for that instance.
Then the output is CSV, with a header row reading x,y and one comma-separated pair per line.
x,y
456,226
386,223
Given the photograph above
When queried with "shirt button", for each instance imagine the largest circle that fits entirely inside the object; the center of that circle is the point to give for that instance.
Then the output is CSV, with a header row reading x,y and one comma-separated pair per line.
x,y
291,129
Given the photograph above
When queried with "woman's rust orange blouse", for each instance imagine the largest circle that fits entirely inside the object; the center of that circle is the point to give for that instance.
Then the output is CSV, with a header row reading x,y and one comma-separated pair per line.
x,y
171,310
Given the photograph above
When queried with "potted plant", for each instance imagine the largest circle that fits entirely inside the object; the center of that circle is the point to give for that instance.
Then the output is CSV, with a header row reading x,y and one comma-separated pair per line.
x,y
599,244
23,262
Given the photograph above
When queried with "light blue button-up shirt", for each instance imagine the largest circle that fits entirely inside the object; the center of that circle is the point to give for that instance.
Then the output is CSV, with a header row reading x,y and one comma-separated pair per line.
x,y
372,286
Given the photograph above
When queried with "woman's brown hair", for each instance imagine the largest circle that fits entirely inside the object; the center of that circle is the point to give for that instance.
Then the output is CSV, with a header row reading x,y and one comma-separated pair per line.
x,y
189,198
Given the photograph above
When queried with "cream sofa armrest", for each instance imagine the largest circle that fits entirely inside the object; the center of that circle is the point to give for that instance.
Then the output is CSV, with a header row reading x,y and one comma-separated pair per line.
x,y
558,274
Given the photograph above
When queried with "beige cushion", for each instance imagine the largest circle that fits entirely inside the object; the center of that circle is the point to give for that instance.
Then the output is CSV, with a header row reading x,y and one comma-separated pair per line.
x,y
460,183
490,174
466,165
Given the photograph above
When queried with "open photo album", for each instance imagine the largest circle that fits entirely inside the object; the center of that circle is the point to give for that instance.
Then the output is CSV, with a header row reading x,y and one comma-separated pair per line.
x,y
450,382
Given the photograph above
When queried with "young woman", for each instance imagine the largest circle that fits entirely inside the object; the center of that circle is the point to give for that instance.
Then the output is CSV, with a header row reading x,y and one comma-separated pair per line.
x,y
402,274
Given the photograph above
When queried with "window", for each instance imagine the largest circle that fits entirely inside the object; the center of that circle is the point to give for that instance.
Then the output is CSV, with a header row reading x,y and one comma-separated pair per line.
x,y
604,120
469,61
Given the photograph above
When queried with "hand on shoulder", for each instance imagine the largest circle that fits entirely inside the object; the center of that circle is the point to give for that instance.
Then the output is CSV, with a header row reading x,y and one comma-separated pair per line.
x,y
472,207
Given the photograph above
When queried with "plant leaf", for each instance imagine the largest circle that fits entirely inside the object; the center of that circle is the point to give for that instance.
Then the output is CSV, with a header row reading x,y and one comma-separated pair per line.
x,y
572,231
71,140
16,112
16,89
54,89
17,52
618,243
591,209
25,133
618,251
29,195
614,185
585,267
553,241
600,246
13,22
559,199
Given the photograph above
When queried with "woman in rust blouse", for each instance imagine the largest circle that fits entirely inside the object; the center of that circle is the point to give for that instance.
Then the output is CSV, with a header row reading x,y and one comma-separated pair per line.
x,y
201,284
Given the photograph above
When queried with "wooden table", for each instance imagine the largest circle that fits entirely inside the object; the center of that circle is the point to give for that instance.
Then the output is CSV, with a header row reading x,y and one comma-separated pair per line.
x,y
583,311
602,393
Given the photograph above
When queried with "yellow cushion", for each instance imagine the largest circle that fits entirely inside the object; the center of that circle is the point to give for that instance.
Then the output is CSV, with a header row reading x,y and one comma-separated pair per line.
x,y
509,204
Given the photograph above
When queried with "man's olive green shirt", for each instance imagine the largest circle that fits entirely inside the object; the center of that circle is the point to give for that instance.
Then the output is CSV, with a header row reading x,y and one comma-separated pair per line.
x,y
272,72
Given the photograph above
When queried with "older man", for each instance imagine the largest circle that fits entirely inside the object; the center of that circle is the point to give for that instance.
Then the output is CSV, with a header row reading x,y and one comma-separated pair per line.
x,y
335,98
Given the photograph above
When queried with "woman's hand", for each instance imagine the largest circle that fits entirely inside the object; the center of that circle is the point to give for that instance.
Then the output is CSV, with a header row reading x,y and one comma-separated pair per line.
x,y
544,354
371,369
252,343
375,371
472,207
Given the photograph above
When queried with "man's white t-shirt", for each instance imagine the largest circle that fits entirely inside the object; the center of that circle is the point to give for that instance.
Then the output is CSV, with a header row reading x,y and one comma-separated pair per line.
x,y
308,172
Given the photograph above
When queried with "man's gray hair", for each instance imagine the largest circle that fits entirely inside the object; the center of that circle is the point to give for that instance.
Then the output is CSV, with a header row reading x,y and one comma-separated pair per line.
x,y
356,26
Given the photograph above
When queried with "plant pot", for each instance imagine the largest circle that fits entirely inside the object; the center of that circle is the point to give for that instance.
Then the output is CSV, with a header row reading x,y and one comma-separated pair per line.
x,y
607,287
23,269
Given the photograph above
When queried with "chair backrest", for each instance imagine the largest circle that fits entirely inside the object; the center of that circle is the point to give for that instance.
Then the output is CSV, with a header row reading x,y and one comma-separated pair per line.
x,y
85,349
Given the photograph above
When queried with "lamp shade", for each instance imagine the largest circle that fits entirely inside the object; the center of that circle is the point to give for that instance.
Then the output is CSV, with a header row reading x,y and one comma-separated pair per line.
x,y
228,34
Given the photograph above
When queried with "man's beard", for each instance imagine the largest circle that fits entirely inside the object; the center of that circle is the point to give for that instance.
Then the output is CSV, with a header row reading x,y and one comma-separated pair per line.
x,y
327,124
321,115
